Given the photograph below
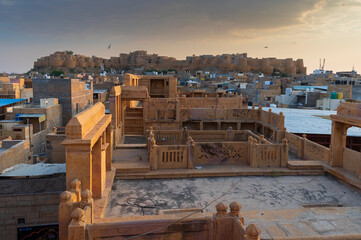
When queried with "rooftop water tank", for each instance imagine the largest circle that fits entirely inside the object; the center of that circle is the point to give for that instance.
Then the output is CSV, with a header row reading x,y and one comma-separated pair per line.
x,y
288,91
333,95
340,95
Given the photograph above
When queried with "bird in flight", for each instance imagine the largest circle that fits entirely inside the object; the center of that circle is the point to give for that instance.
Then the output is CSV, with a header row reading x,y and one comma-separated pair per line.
x,y
265,47
109,46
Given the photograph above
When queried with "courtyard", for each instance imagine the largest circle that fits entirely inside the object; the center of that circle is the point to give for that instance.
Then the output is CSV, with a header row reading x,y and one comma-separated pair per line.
x,y
147,197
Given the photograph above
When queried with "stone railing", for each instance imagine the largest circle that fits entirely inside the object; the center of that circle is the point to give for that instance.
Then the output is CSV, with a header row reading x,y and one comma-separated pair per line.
x,y
222,152
351,161
267,155
214,102
75,212
166,156
314,151
306,149
223,224
177,137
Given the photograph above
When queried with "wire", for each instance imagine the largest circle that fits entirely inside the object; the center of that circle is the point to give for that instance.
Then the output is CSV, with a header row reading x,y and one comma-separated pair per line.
x,y
180,219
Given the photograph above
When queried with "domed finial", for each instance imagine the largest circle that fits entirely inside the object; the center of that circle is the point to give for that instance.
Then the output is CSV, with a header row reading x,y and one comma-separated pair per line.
x,y
75,184
235,209
253,232
77,215
65,197
190,141
221,209
86,195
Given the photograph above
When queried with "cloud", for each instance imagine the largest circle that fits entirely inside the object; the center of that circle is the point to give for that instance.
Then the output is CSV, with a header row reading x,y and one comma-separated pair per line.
x,y
156,18
7,3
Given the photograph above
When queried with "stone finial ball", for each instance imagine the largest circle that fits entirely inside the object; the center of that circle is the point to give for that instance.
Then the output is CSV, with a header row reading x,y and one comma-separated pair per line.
x,y
75,183
86,194
235,206
65,196
77,214
221,207
253,230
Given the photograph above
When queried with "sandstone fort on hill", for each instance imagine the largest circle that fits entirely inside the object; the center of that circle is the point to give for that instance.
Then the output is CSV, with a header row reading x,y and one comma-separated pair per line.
x,y
66,60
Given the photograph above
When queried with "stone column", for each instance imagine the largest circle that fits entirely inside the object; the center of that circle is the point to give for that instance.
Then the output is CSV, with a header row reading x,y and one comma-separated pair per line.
x,y
109,151
284,153
153,154
65,208
87,202
301,151
185,135
190,153
223,223
79,157
269,116
235,208
77,226
338,142
96,186
230,134
252,150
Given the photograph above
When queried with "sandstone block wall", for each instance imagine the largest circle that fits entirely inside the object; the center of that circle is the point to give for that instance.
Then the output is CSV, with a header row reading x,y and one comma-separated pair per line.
x,y
18,153
141,59
73,94
33,200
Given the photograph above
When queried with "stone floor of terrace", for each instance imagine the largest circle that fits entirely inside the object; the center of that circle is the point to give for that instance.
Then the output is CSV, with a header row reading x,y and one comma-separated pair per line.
x,y
280,206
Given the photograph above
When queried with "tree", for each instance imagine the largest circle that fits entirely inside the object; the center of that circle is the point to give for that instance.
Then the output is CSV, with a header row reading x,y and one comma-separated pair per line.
x,y
56,73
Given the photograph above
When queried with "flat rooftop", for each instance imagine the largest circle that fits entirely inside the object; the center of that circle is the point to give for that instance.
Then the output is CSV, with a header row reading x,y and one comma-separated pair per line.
x,y
5,102
310,121
39,169
147,197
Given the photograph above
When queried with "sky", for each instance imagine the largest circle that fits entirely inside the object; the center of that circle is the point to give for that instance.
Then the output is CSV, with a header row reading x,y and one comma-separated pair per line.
x,y
306,29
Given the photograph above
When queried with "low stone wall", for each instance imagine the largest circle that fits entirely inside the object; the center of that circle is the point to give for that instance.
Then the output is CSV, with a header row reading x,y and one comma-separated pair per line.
x,y
38,141
178,137
167,157
55,151
314,151
221,225
307,149
221,153
18,152
214,102
217,153
294,143
352,161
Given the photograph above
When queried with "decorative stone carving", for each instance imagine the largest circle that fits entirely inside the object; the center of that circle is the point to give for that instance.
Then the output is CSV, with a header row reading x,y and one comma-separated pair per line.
x,y
221,209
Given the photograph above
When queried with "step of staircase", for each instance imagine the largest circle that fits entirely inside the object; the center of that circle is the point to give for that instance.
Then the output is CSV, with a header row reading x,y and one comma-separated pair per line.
x,y
306,165
130,146
131,167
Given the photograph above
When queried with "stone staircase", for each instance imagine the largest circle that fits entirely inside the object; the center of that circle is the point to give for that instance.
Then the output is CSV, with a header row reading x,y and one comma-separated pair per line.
x,y
134,121
130,160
